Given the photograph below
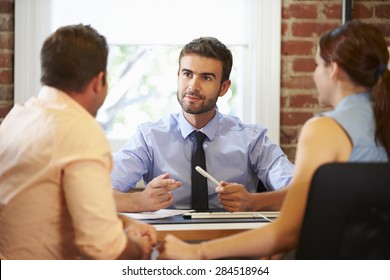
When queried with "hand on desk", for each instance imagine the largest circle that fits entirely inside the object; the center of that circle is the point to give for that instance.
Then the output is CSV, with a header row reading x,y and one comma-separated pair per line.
x,y
143,234
157,194
173,248
234,197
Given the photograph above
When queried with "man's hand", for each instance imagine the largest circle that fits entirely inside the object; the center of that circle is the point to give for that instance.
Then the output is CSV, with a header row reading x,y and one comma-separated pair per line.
x,y
142,229
173,248
234,197
142,238
157,194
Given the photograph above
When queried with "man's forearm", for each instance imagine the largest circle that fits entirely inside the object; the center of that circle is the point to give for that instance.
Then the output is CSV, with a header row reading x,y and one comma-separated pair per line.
x,y
132,251
269,201
127,202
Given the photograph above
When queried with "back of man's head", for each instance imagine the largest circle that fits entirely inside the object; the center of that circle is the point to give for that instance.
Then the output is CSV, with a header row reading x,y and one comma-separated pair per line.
x,y
72,56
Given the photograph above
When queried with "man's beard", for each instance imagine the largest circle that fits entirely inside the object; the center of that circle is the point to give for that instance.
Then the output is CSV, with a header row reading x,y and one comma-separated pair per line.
x,y
202,109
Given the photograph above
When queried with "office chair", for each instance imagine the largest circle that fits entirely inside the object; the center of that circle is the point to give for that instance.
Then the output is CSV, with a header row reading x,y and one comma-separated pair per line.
x,y
348,213
261,187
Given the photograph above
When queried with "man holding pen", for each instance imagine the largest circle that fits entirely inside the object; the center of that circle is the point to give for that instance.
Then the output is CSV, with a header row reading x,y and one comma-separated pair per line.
x,y
238,153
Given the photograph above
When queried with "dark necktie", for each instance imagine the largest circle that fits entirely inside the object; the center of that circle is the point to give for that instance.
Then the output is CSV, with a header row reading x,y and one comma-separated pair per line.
x,y
199,193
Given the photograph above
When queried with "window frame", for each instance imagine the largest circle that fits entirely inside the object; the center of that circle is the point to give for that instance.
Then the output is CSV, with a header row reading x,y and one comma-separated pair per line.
x,y
261,103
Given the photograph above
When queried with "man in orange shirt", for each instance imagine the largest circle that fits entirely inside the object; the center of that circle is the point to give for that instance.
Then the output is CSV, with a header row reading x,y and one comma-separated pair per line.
x,y
56,200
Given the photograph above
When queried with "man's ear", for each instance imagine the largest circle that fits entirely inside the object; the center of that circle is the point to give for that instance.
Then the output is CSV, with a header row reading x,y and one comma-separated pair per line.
x,y
334,70
104,79
225,87
99,81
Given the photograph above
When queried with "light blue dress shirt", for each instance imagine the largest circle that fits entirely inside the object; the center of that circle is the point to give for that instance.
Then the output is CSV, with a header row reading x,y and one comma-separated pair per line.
x,y
235,152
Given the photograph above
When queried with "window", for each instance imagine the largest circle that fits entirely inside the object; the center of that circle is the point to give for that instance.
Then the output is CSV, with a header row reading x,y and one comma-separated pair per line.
x,y
145,37
143,81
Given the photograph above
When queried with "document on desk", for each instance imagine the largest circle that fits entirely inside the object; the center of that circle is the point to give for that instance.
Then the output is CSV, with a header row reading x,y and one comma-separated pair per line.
x,y
162,213
231,215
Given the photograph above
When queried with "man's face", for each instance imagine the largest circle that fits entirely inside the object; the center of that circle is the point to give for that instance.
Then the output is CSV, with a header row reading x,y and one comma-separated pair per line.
x,y
199,83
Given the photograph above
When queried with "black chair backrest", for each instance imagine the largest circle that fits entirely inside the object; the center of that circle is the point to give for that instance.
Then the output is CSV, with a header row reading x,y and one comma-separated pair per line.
x,y
261,187
348,213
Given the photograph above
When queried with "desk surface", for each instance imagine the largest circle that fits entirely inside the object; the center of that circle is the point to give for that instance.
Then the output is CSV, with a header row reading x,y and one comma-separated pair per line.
x,y
203,229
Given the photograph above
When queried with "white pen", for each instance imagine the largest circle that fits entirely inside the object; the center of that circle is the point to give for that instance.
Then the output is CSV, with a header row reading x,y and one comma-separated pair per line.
x,y
207,175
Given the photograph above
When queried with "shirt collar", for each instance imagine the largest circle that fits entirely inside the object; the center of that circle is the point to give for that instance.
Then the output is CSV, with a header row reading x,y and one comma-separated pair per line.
x,y
354,99
54,95
209,129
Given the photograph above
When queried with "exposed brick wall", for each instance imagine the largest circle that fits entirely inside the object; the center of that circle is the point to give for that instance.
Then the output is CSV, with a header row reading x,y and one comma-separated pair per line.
x,y
303,21
6,56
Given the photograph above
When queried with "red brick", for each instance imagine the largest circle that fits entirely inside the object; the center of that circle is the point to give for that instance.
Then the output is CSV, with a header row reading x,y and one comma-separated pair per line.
x,y
383,11
288,134
6,94
284,29
303,101
300,11
297,48
295,118
290,151
4,110
6,24
6,7
6,60
361,11
304,65
309,29
6,77
299,82
284,101
333,11
7,41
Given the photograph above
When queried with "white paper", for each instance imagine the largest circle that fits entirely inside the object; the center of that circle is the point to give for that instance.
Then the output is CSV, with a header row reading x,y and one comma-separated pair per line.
x,y
162,213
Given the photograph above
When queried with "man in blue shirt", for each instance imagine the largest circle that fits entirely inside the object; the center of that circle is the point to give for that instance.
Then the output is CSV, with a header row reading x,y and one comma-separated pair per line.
x,y
237,154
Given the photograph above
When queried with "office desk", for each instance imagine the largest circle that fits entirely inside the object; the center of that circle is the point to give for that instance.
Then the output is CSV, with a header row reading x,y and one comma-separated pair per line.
x,y
203,229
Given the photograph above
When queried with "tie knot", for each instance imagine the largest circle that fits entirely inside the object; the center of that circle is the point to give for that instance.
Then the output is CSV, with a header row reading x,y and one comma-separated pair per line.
x,y
199,137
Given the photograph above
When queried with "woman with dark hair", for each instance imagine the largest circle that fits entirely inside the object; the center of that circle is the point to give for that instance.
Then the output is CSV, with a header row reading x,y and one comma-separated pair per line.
x,y
352,77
